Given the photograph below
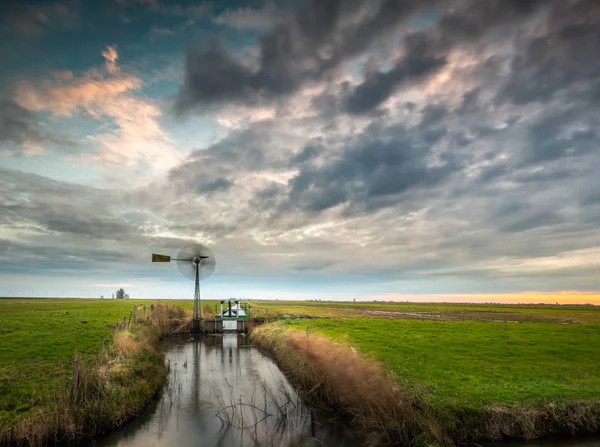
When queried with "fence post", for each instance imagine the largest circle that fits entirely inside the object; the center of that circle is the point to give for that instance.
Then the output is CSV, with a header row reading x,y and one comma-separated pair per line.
x,y
124,323
307,331
144,312
75,378
101,348
134,314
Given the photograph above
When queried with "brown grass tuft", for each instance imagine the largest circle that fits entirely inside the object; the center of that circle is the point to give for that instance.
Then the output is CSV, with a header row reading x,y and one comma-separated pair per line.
x,y
169,318
337,376
124,344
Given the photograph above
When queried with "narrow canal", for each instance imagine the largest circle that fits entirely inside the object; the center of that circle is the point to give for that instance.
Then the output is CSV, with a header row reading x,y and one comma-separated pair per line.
x,y
222,391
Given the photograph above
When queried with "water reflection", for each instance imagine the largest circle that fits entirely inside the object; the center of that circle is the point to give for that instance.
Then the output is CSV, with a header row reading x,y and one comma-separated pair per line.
x,y
224,392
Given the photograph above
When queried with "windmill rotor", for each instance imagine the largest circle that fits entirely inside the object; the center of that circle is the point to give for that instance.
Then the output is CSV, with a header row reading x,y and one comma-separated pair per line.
x,y
196,254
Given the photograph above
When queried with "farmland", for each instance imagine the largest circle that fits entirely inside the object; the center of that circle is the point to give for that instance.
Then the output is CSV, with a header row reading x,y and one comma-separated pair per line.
x,y
472,372
473,364
38,339
457,358
430,311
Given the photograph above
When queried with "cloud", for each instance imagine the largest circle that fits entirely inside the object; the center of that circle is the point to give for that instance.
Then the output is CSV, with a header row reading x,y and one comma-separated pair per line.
x,y
113,285
137,137
248,18
193,10
156,32
376,89
314,40
110,55
65,97
24,135
436,147
33,20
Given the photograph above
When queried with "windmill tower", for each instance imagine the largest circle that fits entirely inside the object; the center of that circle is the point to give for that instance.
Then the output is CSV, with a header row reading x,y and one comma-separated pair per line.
x,y
196,262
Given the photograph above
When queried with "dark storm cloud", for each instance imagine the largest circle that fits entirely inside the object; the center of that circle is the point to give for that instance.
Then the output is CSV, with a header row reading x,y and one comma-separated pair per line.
x,y
19,127
564,57
465,160
318,37
426,51
17,124
220,184
309,152
551,139
384,162
380,86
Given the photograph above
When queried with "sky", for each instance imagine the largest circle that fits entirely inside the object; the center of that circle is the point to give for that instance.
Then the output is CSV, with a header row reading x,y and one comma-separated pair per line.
x,y
418,150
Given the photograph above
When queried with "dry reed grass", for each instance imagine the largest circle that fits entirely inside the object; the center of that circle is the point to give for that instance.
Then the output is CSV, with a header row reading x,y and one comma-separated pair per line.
x,y
337,376
169,318
124,344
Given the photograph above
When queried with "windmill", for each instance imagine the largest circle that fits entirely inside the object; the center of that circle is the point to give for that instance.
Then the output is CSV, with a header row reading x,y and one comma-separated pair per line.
x,y
196,262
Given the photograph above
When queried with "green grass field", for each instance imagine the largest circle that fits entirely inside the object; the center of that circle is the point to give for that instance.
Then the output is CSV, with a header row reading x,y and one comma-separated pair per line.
x,y
466,356
454,355
471,364
38,339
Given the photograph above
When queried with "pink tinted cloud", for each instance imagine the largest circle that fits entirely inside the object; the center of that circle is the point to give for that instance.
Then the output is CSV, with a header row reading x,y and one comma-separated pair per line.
x,y
111,56
64,97
108,96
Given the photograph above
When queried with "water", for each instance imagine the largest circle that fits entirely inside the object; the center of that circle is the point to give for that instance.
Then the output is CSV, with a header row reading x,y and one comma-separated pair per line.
x,y
224,392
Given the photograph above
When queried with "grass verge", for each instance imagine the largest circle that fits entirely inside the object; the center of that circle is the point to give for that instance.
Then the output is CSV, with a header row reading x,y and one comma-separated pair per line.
x,y
403,409
109,390
337,377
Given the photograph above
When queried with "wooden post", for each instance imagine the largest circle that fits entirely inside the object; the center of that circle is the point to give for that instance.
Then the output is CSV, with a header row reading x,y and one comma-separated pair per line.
x,y
307,331
130,315
144,312
134,314
124,323
75,378
101,348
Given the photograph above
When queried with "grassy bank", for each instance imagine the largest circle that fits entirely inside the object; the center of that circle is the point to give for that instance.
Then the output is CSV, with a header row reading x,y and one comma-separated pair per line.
x,y
453,381
38,338
36,367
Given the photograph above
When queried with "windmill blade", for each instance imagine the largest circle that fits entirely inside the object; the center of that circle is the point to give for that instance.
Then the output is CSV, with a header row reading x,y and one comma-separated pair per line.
x,y
160,258
186,261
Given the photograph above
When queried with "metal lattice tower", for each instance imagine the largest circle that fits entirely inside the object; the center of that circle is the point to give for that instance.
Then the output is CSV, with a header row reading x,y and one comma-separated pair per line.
x,y
196,262
197,308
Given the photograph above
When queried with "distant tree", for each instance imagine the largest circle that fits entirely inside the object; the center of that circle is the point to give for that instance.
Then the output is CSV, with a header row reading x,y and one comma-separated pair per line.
x,y
120,293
